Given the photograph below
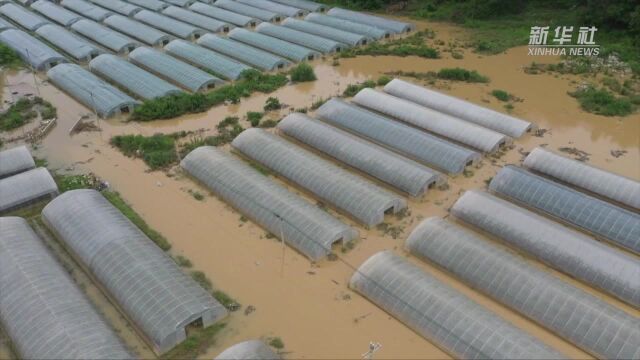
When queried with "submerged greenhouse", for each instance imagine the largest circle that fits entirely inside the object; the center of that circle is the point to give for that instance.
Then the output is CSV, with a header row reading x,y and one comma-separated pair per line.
x,y
408,141
268,43
15,160
357,197
86,9
613,223
31,50
56,13
459,108
284,10
153,5
247,10
104,36
22,16
328,32
436,122
26,189
90,90
304,4
349,26
601,182
284,214
574,314
224,15
401,173
45,314
301,38
145,282
4,25
131,77
442,314
142,32
197,55
245,53
77,47
118,6
196,19
169,25
377,21
566,250
248,350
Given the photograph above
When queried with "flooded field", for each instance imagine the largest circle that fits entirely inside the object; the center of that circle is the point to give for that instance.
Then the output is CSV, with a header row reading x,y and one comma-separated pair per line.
x,y
309,306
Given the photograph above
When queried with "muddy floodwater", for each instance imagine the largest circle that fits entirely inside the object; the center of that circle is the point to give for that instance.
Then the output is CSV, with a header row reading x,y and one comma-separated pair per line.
x,y
309,306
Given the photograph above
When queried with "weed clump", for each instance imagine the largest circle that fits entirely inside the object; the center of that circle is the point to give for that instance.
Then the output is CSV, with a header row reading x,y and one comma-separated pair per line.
x,y
602,102
460,74
277,343
501,95
353,89
272,103
413,45
157,151
302,73
254,118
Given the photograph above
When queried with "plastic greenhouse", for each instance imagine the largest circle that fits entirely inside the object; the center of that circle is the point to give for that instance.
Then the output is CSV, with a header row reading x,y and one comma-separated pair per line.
x,y
182,3
377,21
566,250
104,36
180,73
90,90
350,26
284,10
145,282
583,319
79,49
247,10
441,314
303,225
245,53
224,15
22,16
197,55
118,6
153,5
397,136
169,25
464,132
31,50
601,218
327,32
459,108
4,25
196,19
131,77
138,30
15,160
56,13
361,199
304,4
43,311
301,38
268,43
606,184
86,9
248,350
391,168
25,189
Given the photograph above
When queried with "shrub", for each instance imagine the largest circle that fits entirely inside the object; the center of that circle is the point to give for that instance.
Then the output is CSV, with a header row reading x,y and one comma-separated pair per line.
x,y
602,102
460,74
277,343
302,73
501,95
272,103
254,117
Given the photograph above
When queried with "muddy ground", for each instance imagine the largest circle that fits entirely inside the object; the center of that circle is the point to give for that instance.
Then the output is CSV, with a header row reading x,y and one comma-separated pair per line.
x,y
309,305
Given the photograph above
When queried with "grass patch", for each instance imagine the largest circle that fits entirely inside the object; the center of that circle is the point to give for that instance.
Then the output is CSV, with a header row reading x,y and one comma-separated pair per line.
x,y
602,102
254,118
272,104
197,342
227,301
269,123
202,280
460,74
276,343
157,151
412,45
183,261
72,182
303,72
383,80
501,95
316,104
9,58
353,89
24,111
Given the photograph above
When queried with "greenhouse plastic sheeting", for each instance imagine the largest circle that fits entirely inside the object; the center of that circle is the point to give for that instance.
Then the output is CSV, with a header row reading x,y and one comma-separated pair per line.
x,y
361,199
197,55
56,13
22,16
224,15
79,49
391,168
26,188
304,4
182,3
328,32
44,312
397,136
145,282
606,184
104,36
350,26
90,90
183,74
275,7
583,319
305,226
172,26
138,30
566,250
31,50
4,25
87,9
268,43
196,19
464,132
15,160
301,38
248,350
601,218
247,10
377,21
153,5
441,314
245,53
459,108
118,6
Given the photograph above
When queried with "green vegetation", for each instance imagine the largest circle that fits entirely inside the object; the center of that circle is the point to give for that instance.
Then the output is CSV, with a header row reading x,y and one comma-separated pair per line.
x,y
197,195
272,103
460,74
226,300
8,57
254,118
412,45
71,182
383,80
269,123
197,342
302,73
202,280
157,151
353,89
24,110
602,102
316,104
172,106
277,343
501,95
183,261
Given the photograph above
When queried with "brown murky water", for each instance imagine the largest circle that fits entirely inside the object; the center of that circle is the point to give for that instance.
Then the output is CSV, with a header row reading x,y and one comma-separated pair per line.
x,y
309,306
